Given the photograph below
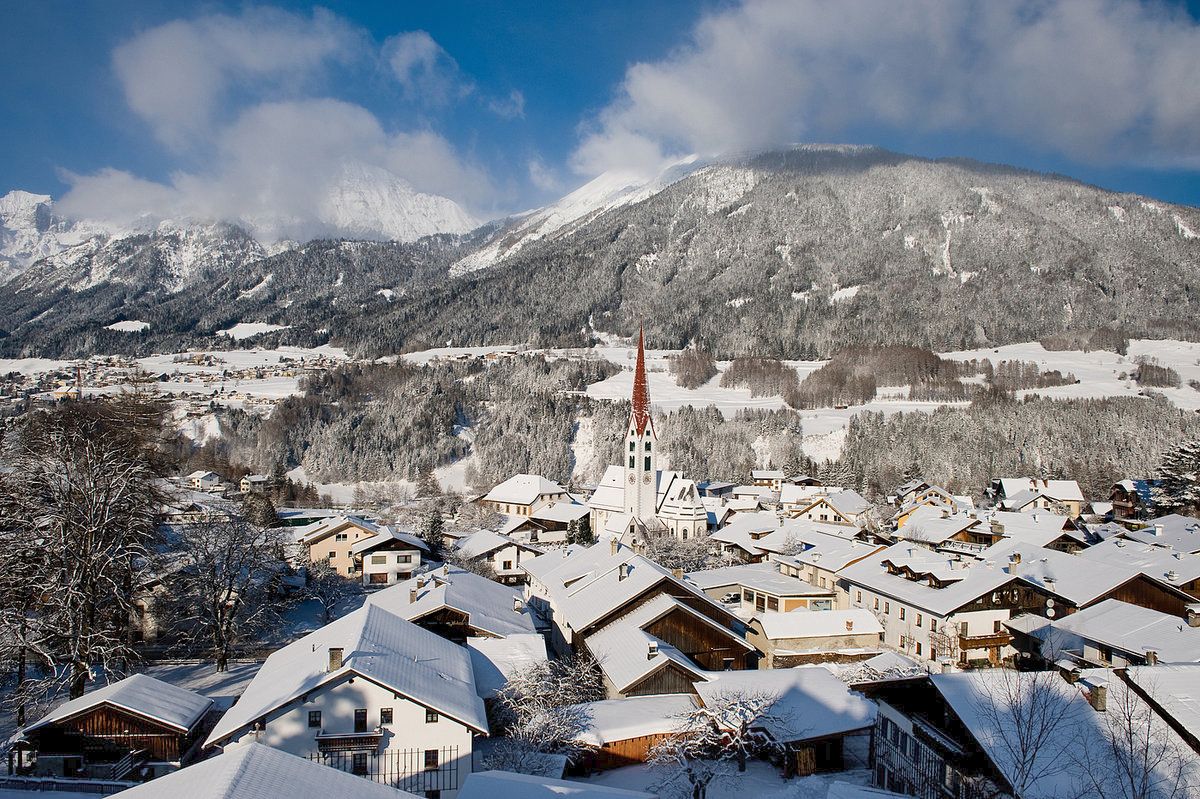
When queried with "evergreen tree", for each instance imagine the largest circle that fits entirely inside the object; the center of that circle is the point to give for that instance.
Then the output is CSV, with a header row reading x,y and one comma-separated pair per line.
x,y
431,532
1179,489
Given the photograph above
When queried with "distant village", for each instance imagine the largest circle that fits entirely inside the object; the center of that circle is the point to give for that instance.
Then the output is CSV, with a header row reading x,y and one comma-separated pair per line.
x,y
684,633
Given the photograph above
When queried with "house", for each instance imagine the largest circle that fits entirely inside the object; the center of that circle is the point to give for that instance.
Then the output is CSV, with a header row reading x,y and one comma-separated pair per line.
x,y
255,770
523,494
767,478
1022,494
795,497
1117,634
938,528
714,489
387,557
762,587
510,785
1180,533
254,483
333,539
1177,569
371,694
844,507
820,558
457,605
812,715
1133,499
651,631
1168,689
938,737
1040,528
824,636
204,481
136,727
504,554
622,732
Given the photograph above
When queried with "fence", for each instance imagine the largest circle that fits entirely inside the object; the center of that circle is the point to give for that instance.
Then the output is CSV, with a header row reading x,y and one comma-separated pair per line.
x,y
413,770
39,784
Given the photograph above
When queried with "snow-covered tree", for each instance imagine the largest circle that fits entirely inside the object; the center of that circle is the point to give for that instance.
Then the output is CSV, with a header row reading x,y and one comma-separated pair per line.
x,y
1178,489
328,589
668,550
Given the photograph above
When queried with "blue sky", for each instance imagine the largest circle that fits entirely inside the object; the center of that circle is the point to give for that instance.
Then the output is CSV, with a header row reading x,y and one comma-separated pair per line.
x,y
503,106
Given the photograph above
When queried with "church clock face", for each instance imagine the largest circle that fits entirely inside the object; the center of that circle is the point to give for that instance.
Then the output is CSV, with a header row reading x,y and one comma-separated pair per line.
x,y
632,479
646,479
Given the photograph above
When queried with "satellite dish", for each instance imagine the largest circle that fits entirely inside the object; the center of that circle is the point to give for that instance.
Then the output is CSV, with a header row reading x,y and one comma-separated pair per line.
x,y
1050,613
1050,602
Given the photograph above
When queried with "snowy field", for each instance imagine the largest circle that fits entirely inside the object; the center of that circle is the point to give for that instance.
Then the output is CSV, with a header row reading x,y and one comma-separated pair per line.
x,y
245,330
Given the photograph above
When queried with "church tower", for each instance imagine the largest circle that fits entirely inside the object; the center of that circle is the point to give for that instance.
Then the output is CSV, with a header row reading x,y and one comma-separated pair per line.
x,y
641,447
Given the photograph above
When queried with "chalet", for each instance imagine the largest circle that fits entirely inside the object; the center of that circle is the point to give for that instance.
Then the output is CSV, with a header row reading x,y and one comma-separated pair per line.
x,y
931,496
523,494
254,483
1177,569
621,732
204,481
1116,634
938,528
1180,533
656,630
909,491
333,538
138,726
795,497
387,557
371,694
503,553
812,716
1133,499
845,507
457,605
767,478
1040,528
801,636
1022,494
256,770
762,587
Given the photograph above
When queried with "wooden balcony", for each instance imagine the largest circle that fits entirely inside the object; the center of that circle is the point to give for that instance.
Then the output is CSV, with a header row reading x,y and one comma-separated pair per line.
x,y
966,642
348,741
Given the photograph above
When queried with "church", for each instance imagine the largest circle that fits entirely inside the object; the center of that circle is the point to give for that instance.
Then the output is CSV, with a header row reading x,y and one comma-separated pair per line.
x,y
636,498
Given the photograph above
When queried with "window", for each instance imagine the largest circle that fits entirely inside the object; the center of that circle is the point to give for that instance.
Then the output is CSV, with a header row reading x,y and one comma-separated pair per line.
x,y
431,759
332,555
760,603
385,716
997,626
918,647
877,603
887,608
359,764
918,619
901,614
508,565
823,582
378,560
647,446
933,625
903,641
314,718
349,570
341,537
431,717
647,462
932,653
858,599
404,558
631,461
748,596
772,603
378,578
360,720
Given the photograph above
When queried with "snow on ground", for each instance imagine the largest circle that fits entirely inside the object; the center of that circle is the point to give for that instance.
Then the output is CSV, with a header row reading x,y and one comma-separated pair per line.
x,y
342,495
761,781
453,477
843,294
244,330
425,356
31,366
128,326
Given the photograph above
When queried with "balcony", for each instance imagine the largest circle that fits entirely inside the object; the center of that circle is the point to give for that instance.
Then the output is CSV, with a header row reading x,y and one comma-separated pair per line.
x,y
966,642
348,741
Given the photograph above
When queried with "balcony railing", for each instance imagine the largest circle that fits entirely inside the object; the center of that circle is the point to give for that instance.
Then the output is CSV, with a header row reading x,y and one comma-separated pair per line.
x,y
348,741
966,642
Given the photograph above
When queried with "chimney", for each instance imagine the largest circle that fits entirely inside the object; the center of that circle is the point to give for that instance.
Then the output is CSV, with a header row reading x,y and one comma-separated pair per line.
x,y
677,573
651,650
412,595
335,658
518,605
622,571
1151,657
614,545
1172,576
849,625
1193,616
1015,557
1158,530
1097,693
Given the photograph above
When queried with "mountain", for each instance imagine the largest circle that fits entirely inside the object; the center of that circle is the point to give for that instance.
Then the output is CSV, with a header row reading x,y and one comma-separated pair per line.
x,y
792,253
371,203
29,231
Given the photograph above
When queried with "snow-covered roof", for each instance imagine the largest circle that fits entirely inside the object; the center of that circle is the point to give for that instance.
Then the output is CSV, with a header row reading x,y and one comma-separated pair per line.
x,y
488,605
848,502
1135,629
610,492
201,474
621,719
1175,688
1160,562
1061,490
509,785
1060,573
524,489
1039,528
377,645
810,701
258,771
385,536
561,512
484,542
139,694
822,550
929,524
763,577
766,474
333,524
818,623
1181,533
793,493
496,660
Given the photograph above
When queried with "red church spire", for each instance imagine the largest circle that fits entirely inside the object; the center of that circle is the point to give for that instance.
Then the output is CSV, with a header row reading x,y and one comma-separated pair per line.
x,y
641,392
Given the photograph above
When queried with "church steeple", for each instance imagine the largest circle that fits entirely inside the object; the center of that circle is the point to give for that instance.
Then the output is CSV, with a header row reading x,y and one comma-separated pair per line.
x,y
641,391
641,475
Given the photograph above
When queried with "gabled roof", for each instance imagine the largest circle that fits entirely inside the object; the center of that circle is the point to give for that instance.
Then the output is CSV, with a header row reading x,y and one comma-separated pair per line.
x,y
766,474
386,535
1173,687
1062,574
1181,533
1061,490
484,542
1136,630
764,577
377,645
561,511
612,720
496,660
523,489
967,580
1160,562
326,527
818,623
258,771
140,694
928,524
487,604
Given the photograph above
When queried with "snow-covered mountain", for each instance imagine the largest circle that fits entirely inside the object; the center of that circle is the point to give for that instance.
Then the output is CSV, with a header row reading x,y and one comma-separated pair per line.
x,y
372,203
30,230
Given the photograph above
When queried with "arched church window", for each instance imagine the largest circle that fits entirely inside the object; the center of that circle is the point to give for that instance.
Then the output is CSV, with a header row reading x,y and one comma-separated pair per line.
x,y
630,461
647,446
647,466
631,446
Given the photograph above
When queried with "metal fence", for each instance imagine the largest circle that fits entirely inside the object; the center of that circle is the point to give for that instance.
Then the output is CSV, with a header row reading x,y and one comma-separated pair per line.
x,y
411,770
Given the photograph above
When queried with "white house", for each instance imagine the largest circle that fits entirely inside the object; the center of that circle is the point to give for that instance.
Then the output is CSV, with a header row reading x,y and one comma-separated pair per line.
x,y
503,552
254,483
845,507
371,694
523,494
1031,493
204,481
388,557
458,604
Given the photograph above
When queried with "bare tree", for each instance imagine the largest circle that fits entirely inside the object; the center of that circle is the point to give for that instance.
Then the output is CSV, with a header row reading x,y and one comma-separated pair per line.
x,y
226,593
672,552
716,740
328,589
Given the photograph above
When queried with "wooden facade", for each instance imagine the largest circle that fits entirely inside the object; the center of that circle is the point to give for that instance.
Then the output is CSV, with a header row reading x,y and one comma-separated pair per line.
x,y
710,648
669,679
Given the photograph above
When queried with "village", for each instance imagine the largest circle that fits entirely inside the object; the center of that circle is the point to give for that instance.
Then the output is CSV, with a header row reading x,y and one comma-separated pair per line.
x,y
655,634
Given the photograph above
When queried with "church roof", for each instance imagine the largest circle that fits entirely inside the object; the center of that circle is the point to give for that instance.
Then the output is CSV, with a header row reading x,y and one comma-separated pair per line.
x,y
641,390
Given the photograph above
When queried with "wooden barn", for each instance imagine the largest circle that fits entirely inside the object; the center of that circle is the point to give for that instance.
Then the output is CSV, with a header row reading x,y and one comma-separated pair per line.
x,y
138,727
621,732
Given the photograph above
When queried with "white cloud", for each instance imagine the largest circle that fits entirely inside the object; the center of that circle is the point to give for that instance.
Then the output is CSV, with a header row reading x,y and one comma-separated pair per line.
x,y
510,107
542,176
1099,81
424,69
177,76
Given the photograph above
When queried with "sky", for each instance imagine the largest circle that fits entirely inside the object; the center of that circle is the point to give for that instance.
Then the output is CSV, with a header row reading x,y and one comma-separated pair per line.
x,y
120,109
